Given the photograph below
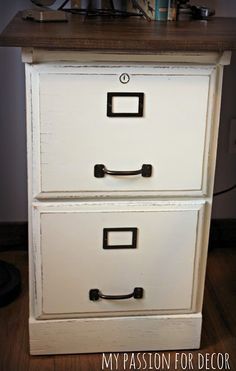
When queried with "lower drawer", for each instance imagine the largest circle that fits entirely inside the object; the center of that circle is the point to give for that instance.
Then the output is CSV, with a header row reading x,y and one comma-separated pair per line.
x,y
89,257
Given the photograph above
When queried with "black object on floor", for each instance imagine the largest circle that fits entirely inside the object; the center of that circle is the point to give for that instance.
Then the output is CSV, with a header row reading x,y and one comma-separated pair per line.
x,y
10,283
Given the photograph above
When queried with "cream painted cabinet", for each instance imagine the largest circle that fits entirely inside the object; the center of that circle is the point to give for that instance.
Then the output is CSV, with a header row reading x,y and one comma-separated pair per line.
x,y
121,159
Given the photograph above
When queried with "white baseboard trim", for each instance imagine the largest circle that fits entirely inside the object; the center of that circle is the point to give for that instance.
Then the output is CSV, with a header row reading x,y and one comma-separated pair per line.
x,y
115,334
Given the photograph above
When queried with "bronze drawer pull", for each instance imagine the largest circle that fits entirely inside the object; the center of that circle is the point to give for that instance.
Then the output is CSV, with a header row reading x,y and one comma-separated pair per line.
x,y
95,294
100,170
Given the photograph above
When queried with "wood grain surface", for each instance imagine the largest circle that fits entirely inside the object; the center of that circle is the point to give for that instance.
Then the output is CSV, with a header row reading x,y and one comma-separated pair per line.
x,y
219,323
122,35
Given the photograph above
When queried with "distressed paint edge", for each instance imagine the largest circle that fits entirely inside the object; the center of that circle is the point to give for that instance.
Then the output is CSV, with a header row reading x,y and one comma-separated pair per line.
x,y
35,55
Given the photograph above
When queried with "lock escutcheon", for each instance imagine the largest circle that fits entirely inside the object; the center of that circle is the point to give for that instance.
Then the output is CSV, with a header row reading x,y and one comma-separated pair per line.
x,y
124,78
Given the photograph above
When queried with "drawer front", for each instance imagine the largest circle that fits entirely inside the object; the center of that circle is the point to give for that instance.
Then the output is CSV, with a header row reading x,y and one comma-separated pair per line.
x,y
102,251
86,117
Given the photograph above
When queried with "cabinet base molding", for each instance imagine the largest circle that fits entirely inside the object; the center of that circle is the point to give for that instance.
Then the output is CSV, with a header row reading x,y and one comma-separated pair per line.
x,y
116,334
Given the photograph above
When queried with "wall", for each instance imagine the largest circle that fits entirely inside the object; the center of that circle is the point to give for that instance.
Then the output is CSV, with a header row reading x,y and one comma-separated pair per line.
x,y
13,174
13,184
224,206
13,198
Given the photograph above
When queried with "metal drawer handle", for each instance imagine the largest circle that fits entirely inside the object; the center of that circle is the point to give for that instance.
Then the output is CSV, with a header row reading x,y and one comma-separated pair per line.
x,y
95,294
100,170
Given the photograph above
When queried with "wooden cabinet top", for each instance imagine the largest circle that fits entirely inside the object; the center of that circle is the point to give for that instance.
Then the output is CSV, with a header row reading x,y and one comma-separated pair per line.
x,y
125,35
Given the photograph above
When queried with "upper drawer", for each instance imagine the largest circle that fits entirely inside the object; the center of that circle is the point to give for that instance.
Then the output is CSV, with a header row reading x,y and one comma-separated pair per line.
x,y
122,117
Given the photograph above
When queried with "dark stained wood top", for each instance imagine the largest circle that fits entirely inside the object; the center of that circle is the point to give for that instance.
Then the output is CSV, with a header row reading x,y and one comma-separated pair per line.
x,y
124,35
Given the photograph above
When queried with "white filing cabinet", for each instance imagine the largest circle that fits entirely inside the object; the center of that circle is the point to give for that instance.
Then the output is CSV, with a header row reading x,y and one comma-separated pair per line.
x,y
121,155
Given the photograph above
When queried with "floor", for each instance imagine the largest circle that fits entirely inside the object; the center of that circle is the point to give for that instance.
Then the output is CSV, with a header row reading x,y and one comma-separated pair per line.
x,y
218,334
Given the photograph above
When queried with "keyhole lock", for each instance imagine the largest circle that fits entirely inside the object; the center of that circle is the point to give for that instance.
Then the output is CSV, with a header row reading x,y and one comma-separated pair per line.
x,y
124,78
